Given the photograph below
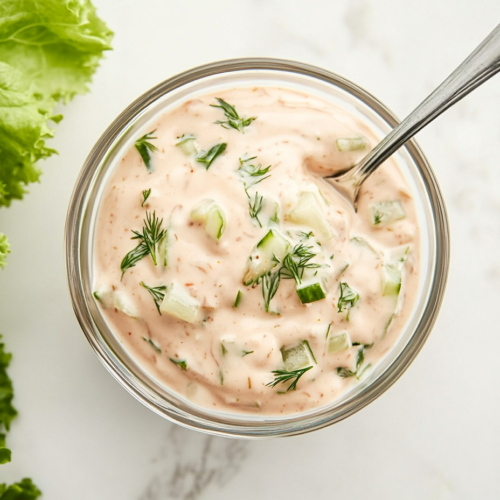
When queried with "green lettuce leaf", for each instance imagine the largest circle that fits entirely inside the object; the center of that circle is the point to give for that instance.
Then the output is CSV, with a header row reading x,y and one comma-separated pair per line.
x,y
5,453
24,490
7,411
57,42
4,250
49,50
23,130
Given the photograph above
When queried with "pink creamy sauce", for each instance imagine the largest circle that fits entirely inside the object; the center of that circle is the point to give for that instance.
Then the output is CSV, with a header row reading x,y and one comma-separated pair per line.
x,y
296,134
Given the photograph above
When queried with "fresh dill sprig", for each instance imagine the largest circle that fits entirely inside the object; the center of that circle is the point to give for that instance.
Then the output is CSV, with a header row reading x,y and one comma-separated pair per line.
x,y
233,118
157,292
348,298
180,363
145,196
270,283
282,376
252,174
275,218
346,372
145,148
153,345
297,261
305,236
255,206
133,257
292,266
152,233
207,157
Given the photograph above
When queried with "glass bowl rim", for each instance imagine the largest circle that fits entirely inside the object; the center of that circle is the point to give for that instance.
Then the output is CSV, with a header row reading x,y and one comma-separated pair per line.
x,y
309,423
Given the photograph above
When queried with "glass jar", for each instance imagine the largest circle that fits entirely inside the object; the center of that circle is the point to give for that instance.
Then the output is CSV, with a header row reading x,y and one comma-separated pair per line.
x,y
119,137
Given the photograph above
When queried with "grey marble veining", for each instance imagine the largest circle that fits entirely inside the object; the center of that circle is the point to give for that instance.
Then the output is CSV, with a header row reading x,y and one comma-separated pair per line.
x,y
188,464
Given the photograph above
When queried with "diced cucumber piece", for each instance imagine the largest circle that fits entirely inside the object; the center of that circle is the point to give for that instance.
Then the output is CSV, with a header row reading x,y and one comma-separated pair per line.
x,y
187,144
163,249
339,342
309,212
180,303
212,216
391,279
387,212
263,257
311,292
351,143
298,356
392,272
123,304
104,294
362,242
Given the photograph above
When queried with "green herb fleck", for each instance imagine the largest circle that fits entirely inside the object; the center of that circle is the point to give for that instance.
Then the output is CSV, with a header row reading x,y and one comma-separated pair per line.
x,y
233,118
255,206
328,331
145,148
245,353
133,257
348,298
238,298
252,174
275,218
145,196
157,292
223,348
346,372
305,236
282,376
180,363
153,345
207,157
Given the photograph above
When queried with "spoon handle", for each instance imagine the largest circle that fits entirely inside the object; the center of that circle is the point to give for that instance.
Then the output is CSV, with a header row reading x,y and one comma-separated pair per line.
x,y
481,65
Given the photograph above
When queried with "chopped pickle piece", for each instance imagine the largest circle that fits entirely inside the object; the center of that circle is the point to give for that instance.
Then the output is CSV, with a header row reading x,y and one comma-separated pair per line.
x,y
339,342
298,356
187,144
212,216
180,303
387,212
309,212
270,249
311,292
351,143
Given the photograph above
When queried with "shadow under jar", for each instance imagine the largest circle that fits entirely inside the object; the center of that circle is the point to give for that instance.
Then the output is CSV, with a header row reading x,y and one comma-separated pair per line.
x,y
119,138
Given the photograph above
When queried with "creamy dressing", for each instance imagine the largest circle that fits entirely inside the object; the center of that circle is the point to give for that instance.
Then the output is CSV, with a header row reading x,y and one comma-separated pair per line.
x,y
224,359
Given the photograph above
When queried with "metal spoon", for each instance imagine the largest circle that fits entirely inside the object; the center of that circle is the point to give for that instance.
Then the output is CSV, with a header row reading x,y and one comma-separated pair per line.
x,y
481,65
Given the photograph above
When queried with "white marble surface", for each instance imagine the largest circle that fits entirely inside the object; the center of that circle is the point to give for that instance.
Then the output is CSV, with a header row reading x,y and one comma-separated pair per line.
x,y
434,435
